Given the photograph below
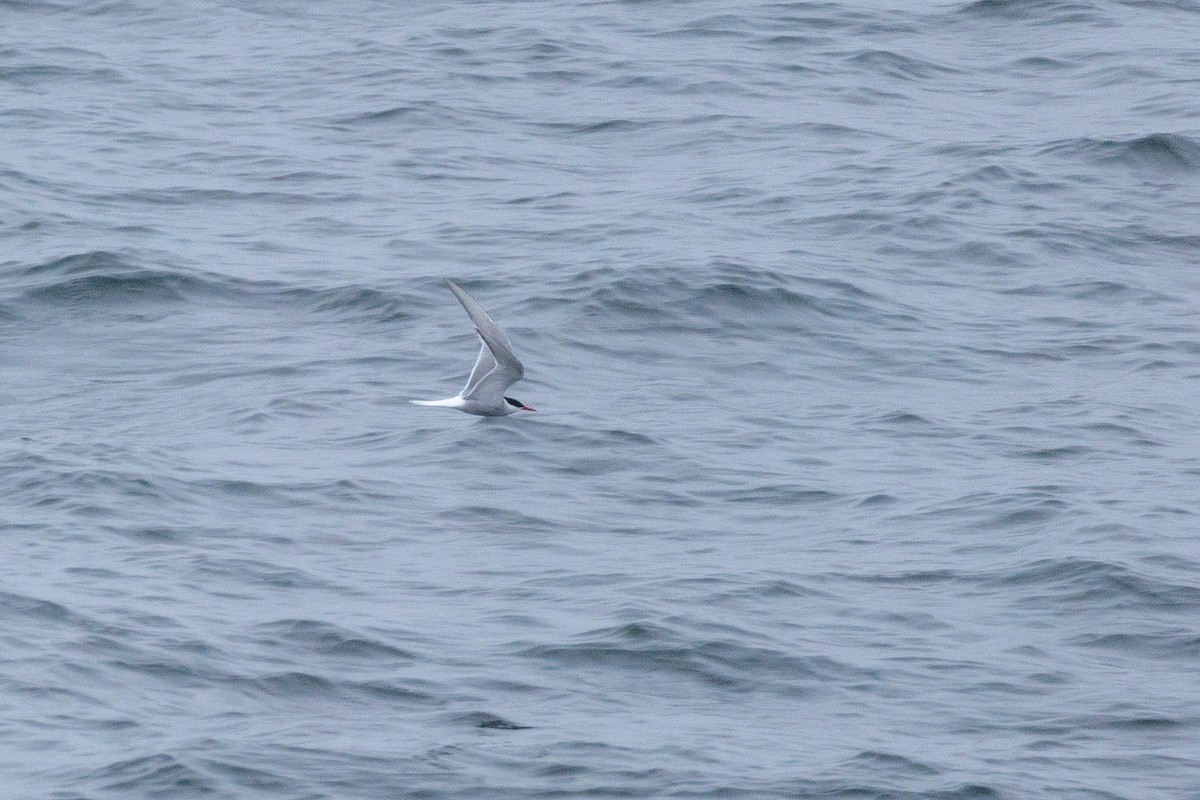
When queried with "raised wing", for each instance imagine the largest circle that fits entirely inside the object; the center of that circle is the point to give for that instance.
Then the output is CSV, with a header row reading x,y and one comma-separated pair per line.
x,y
491,387
496,368
483,365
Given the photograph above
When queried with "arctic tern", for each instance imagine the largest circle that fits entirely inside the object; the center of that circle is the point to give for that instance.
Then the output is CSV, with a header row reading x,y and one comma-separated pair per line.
x,y
495,370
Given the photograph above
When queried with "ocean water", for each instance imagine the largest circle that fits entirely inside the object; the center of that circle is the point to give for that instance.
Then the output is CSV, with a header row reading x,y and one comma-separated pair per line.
x,y
865,341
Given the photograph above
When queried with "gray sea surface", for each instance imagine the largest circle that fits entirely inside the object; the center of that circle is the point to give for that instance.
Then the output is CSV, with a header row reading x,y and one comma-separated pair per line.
x,y
865,340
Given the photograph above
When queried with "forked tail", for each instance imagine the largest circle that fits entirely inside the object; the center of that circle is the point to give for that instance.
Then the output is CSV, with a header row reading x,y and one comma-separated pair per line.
x,y
449,402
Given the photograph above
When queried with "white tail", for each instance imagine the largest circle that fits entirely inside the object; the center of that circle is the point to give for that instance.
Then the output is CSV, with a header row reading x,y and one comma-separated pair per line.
x,y
449,402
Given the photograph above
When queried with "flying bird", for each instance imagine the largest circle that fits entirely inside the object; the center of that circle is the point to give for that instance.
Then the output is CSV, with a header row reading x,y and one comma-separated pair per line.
x,y
495,370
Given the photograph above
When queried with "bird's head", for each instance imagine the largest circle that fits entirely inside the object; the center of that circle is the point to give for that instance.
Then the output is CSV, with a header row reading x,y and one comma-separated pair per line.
x,y
518,404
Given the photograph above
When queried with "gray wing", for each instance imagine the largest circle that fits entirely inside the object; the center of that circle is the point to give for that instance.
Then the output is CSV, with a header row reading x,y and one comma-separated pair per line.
x,y
496,368
483,365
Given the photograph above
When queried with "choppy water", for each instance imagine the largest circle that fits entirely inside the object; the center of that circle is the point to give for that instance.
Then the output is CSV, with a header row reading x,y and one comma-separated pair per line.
x,y
866,343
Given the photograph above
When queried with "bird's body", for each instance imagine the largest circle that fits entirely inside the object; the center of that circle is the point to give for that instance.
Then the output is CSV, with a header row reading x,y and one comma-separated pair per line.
x,y
495,370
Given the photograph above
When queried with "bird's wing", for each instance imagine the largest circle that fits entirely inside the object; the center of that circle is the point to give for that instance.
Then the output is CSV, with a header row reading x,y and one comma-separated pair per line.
x,y
483,365
506,368
491,387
